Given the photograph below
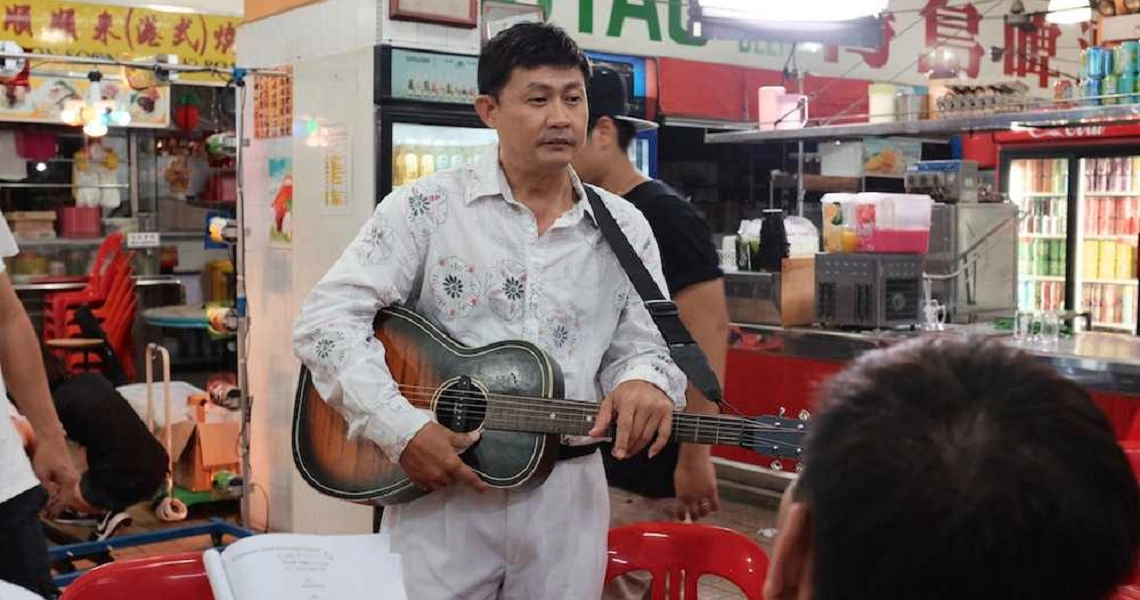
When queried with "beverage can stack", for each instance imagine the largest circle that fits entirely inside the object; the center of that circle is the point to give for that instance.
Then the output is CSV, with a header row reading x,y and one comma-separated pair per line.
x,y
1109,75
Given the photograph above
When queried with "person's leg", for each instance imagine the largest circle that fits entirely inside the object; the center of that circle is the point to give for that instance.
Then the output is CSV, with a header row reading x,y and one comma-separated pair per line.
x,y
450,543
557,534
126,464
23,552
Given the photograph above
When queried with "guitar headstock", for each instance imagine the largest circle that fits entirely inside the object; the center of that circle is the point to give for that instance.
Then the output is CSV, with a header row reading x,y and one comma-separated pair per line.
x,y
777,436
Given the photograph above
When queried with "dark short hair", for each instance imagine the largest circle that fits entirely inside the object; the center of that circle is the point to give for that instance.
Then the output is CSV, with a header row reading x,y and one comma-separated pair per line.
x,y
625,131
965,469
529,46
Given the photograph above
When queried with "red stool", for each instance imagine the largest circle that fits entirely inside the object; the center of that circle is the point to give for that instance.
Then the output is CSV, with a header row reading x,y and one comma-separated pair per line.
x,y
169,577
680,554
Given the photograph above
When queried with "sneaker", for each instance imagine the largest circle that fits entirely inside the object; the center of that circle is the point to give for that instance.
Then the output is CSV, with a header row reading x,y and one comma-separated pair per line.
x,y
73,517
111,522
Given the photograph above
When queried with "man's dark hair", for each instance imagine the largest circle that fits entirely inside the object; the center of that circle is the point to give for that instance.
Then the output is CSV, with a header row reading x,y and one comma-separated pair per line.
x,y
965,469
529,46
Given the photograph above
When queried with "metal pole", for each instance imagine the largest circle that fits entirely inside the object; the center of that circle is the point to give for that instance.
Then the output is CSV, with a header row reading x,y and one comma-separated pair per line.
x,y
800,158
239,285
154,65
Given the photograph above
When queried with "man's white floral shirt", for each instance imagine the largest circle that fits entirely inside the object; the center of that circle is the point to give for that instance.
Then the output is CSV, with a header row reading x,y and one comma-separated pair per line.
x,y
457,248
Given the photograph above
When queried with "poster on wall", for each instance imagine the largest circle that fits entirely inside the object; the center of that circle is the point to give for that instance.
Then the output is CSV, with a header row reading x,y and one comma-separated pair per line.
x,y
97,30
459,13
337,144
273,105
43,99
888,157
280,194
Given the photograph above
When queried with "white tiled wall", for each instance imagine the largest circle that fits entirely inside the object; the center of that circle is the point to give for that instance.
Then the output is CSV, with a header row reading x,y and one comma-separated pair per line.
x,y
329,45
320,29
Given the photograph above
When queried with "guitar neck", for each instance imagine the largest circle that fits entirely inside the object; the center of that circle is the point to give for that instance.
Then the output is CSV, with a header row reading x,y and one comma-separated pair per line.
x,y
578,418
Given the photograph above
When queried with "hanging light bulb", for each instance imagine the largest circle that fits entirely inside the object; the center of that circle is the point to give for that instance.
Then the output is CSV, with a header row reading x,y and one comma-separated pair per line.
x,y
120,116
72,112
95,128
95,89
1067,12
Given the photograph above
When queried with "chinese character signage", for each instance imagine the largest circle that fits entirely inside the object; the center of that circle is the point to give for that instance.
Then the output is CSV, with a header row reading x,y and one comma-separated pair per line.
x,y
43,99
75,29
969,38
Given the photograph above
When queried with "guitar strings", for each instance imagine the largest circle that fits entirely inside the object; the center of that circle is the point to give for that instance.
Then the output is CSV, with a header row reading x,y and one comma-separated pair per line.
x,y
684,423
527,401
584,409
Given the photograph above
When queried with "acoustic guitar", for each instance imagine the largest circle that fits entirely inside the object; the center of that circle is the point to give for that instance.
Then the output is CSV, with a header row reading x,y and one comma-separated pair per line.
x,y
512,391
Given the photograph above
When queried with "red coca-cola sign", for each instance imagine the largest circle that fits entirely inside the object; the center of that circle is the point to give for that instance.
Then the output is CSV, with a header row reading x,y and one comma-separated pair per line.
x,y
1078,132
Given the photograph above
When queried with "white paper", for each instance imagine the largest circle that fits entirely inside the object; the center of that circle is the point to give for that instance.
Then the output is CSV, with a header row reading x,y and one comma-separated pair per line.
x,y
216,573
311,567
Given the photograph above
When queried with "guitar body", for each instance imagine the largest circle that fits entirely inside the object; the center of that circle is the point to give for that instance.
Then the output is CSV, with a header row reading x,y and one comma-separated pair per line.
x,y
425,361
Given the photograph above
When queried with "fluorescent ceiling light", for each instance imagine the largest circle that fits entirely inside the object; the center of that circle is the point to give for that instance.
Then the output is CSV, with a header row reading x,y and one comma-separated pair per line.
x,y
170,8
791,10
1067,12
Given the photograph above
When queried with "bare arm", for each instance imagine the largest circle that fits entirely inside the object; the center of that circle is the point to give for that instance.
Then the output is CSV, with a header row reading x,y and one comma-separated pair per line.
x,y
705,313
22,365
24,377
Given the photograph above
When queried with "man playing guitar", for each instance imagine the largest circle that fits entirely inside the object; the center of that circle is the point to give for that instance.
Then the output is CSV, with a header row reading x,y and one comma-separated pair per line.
x,y
507,249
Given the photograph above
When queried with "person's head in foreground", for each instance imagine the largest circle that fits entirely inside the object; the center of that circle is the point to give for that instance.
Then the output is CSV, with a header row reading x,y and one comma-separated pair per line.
x,y
532,92
956,469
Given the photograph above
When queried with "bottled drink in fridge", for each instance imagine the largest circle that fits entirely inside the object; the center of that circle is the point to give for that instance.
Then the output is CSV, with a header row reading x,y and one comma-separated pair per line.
x,y
427,159
1128,305
1111,309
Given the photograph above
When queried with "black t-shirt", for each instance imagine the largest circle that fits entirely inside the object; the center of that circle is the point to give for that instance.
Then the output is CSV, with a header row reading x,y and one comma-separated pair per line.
x,y
688,257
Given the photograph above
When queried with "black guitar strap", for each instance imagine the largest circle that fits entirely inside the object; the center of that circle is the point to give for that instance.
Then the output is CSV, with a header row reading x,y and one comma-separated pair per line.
x,y
686,353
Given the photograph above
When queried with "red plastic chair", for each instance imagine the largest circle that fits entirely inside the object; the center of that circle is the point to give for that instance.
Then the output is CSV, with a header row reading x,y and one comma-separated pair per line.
x,y
680,554
1132,451
169,577
1132,590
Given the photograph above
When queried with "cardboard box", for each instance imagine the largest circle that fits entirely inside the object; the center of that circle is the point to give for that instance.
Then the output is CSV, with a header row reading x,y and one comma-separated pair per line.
x,y
200,450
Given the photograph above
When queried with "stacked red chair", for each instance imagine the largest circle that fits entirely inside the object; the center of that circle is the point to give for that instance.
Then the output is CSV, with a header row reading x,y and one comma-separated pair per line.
x,y
677,555
110,294
170,577
1131,590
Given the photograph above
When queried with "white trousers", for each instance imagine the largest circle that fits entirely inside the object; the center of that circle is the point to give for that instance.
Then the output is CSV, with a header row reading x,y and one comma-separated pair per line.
x,y
548,543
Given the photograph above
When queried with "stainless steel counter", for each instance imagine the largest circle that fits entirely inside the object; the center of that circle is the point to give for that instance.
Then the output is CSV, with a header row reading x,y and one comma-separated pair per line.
x,y
140,281
1099,361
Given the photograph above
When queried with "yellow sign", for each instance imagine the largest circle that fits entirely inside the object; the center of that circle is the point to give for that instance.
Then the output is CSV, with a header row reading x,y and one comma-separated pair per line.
x,y
95,30
43,99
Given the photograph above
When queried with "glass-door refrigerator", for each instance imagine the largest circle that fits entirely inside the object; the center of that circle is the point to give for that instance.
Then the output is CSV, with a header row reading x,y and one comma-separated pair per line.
x,y
1040,189
1108,225
426,121
1078,191
425,118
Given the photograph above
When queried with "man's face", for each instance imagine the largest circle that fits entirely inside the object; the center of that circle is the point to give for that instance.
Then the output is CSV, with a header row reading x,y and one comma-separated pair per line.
x,y
540,116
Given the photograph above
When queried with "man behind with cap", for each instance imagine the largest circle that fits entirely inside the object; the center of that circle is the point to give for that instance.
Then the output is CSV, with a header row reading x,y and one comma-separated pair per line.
x,y
684,472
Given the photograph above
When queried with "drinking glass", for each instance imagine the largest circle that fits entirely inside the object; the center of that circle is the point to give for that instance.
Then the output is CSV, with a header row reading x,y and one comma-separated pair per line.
x,y
1050,329
1023,327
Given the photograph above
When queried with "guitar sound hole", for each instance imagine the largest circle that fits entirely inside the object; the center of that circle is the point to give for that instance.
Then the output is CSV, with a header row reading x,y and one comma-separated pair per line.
x,y
461,405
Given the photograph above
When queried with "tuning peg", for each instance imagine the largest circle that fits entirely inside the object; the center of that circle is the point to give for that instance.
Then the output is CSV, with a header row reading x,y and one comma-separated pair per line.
x,y
782,412
804,415
776,465
799,468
